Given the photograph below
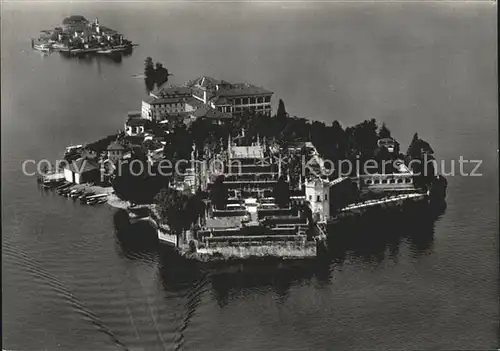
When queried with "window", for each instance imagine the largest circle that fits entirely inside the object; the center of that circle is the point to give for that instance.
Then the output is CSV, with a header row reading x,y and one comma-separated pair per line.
x,y
310,197
318,198
237,101
400,180
260,100
326,197
245,101
252,100
268,99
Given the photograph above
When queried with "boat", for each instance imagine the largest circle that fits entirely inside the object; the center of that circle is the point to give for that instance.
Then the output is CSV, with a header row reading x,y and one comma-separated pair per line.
x,y
50,183
42,47
76,193
94,199
83,197
105,51
64,191
64,185
60,46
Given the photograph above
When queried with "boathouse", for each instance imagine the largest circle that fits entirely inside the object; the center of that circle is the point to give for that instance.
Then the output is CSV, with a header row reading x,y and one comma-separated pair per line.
x,y
81,171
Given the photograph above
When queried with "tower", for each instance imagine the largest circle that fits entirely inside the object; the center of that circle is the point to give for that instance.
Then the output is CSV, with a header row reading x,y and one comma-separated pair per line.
x,y
317,193
97,29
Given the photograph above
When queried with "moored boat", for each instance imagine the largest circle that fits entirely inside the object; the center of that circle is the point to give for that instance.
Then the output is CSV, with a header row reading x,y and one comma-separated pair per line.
x,y
42,47
95,199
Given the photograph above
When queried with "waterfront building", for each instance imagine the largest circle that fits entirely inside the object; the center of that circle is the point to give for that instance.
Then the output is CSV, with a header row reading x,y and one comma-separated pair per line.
x,y
82,171
401,180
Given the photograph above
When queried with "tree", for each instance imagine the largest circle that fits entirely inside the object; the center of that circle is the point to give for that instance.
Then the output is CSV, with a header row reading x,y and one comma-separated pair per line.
x,y
219,193
281,113
384,132
412,148
161,74
149,73
281,193
171,208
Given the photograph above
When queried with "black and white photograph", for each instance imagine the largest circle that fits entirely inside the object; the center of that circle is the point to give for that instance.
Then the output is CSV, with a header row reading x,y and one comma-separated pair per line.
x,y
249,175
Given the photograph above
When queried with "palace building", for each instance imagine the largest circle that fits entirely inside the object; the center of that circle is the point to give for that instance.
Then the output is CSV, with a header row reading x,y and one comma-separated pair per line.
x,y
216,97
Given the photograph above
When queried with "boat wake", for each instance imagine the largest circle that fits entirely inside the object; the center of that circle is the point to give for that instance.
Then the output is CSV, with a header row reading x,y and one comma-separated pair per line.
x,y
23,261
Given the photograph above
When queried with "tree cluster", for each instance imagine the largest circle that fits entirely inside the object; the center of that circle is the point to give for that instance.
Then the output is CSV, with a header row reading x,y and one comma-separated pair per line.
x,y
178,209
155,74
421,151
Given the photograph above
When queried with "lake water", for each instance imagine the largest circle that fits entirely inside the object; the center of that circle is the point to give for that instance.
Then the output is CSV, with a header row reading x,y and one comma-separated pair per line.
x,y
72,281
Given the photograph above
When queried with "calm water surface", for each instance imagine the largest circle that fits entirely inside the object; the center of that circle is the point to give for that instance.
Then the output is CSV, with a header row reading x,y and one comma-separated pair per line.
x,y
72,280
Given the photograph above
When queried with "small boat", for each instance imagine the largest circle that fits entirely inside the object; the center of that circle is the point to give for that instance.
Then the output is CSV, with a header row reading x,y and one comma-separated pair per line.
x,y
75,194
102,200
52,183
64,191
63,186
104,51
60,46
45,48
94,199
97,201
83,197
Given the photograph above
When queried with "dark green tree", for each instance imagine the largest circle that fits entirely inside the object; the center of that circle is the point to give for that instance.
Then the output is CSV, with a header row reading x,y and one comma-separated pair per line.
x,y
149,73
281,113
384,132
281,193
219,193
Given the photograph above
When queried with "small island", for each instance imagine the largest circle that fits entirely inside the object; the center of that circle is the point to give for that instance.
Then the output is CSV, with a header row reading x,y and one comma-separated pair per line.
x,y
241,181
77,35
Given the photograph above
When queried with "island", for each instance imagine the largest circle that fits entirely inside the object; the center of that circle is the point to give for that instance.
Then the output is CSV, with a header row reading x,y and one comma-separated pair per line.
x,y
76,35
221,176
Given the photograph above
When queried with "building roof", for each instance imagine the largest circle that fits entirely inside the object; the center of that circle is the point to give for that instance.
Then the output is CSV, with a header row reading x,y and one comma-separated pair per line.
x,y
172,91
107,30
115,146
247,152
387,142
205,82
134,114
163,100
242,89
194,102
81,166
220,101
136,121
206,111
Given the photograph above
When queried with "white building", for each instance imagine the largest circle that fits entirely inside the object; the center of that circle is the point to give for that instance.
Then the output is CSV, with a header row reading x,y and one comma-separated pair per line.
x,y
158,108
81,171
229,97
221,96
317,193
